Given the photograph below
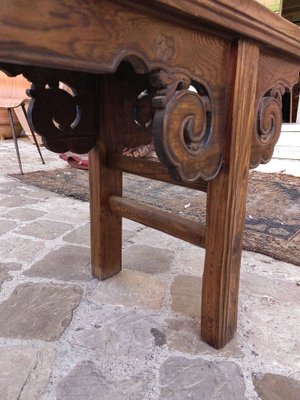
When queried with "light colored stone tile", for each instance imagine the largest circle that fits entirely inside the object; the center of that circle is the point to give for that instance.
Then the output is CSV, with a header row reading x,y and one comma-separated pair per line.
x,y
38,311
277,387
4,275
127,235
45,229
24,214
80,235
186,295
148,259
131,288
10,266
16,201
25,372
272,331
264,265
131,225
87,381
68,263
40,194
19,249
278,290
182,378
191,260
151,237
6,225
72,216
129,335
184,336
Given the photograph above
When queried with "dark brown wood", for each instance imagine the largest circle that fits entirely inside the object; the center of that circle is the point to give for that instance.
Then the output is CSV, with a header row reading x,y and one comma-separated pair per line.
x,y
239,57
106,228
179,227
152,169
271,85
87,36
226,201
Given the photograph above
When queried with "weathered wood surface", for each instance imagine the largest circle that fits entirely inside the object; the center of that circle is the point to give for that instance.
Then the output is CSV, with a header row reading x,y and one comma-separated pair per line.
x,y
151,169
187,230
239,57
55,33
106,228
226,203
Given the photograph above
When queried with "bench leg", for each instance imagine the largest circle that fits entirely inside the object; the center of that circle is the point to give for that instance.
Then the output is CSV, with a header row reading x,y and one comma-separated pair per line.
x,y
106,228
226,201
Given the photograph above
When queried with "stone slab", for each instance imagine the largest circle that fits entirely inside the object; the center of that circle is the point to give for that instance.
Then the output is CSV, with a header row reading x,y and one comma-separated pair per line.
x,y
130,335
277,387
44,229
272,331
4,275
10,266
25,371
38,311
278,290
190,260
68,263
87,381
182,378
131,288
127,234
184,336
6,225
148,259
40,194
80,236
186,295
24,214
18,249
16,201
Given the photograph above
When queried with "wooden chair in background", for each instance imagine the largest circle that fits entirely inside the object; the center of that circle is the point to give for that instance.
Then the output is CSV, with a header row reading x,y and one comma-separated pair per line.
x,y
12,97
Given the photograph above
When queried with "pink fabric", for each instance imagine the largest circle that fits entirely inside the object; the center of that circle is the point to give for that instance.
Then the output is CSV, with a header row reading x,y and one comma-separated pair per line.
x,y
75,160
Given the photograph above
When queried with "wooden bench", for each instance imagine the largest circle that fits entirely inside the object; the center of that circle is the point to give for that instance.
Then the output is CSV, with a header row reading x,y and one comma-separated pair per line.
x,y
238,57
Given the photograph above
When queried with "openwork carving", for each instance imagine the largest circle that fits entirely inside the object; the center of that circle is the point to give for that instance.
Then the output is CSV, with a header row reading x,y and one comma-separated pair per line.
x,y
268,128
62,109
182,127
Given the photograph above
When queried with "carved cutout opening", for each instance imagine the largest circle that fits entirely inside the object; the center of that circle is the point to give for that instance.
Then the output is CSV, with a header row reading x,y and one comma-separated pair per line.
x,y
142,110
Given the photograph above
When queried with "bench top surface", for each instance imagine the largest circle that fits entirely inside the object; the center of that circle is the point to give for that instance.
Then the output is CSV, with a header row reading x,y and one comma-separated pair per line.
x,y
73,34
243,17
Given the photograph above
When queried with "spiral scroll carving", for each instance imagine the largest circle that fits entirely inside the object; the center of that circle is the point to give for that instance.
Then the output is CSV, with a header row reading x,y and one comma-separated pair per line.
x,y
182,129
64,115
269,122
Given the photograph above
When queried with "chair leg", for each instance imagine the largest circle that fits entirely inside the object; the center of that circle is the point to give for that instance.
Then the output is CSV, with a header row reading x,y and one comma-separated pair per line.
x,y
32,132
15,138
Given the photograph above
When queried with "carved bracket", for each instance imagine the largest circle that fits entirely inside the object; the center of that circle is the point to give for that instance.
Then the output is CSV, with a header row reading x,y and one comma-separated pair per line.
x,y
268,125
182,127
63,107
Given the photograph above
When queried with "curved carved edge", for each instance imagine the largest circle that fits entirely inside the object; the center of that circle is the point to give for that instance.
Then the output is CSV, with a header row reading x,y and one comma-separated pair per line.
x,y
268,124
62,108
182,128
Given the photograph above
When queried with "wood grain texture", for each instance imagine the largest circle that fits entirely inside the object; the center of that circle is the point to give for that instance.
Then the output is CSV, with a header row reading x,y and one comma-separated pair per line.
x,y
246,18
152,169
226,200
106,228
238,55
272,83
94,36
179,227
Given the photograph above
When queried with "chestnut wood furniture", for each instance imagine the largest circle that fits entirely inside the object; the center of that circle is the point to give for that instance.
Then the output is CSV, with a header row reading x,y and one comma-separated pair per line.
x,y
12,97
130,67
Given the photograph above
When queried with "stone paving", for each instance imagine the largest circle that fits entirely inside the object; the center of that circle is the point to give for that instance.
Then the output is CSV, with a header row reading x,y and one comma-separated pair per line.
x,y
66,336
